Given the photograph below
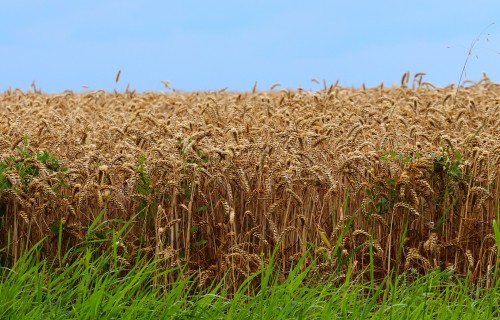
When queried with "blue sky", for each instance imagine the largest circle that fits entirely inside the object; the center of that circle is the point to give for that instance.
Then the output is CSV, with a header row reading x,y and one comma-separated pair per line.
x,y
206,45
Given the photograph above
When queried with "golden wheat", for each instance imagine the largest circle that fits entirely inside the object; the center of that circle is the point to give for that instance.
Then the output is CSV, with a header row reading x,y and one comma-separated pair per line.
x,y
217,181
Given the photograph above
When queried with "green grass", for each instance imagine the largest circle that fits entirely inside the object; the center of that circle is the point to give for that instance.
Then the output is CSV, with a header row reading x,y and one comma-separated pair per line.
x,y
96,286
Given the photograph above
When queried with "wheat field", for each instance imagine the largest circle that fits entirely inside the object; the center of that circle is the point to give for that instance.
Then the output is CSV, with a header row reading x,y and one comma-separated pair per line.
x,y
219,182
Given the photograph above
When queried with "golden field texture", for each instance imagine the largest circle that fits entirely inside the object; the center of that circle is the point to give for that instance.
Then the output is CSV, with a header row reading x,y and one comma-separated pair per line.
x,y
218,181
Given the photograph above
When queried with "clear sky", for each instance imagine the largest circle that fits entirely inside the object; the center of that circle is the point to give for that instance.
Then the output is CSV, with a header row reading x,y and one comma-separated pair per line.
x,y
206,45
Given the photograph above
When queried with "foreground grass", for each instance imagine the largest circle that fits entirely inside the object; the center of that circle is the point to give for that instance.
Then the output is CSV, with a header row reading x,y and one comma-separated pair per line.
x,y
95,286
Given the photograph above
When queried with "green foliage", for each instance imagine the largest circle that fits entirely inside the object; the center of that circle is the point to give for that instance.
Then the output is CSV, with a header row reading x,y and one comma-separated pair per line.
x,y
447,161
144,188
50,161
25,162
95,286
201,209
450,165
392,155
143,185
4,181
